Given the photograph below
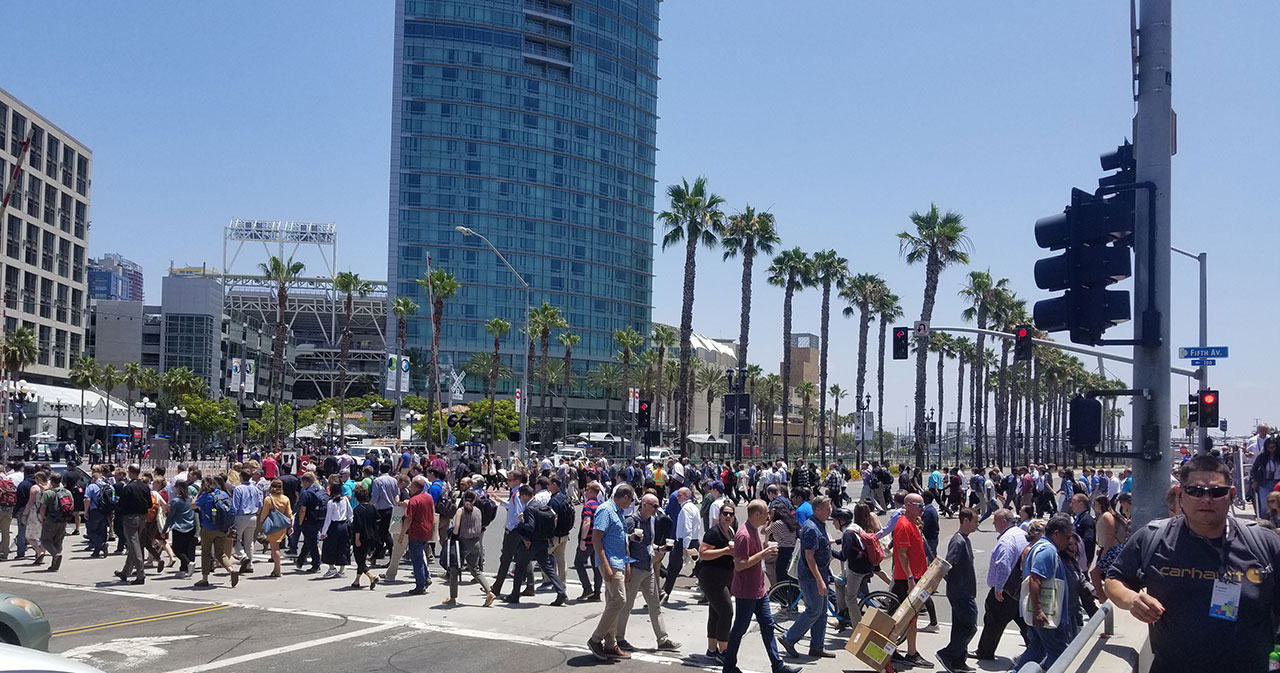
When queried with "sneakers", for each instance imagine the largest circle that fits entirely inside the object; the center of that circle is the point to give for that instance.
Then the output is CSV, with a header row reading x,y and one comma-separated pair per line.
x,y
822,654
929,628
597,650
489,598
951,664
911,660
625,646
330,573
668,646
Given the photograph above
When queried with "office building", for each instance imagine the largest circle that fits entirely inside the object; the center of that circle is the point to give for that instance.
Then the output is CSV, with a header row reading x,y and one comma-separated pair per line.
x,y
45,236
533,123
115,278
121,332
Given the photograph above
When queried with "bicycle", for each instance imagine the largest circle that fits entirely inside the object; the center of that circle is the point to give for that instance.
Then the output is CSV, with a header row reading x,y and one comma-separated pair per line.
x,y
785,600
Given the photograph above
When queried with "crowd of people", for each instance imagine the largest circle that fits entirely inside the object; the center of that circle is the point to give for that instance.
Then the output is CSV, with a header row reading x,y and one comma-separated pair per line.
x,y
1063,543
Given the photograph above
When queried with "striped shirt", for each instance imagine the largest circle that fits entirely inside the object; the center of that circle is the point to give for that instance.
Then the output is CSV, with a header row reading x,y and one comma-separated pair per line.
x,y
588,520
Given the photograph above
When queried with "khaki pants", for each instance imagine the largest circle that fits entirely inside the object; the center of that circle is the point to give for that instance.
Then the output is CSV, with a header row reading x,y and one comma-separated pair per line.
x,y
614,604
214,542
399,545
246,528
558,545
6,519
643,582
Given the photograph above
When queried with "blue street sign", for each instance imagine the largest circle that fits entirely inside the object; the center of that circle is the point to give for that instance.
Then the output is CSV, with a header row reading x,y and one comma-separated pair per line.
x,y
1203,362
1202,352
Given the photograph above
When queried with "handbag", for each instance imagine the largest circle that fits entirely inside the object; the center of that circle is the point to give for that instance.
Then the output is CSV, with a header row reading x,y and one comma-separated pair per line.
x,y
1051,589
275,522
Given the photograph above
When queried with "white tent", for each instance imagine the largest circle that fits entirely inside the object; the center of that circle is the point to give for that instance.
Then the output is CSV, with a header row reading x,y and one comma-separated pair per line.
x,y
705,438
320,430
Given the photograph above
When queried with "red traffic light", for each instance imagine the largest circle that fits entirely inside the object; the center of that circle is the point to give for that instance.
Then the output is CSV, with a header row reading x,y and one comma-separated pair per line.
x,y
899,334
1022,332
1209,398
644,406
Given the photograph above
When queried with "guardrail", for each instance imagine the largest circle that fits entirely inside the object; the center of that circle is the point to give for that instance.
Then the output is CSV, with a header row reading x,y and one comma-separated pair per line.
x,y
1103,618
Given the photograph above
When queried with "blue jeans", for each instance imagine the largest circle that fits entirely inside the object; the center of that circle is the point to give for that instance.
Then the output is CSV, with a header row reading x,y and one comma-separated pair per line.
x,y
813,619
297,533
747,608
1044,646
418,556
97,526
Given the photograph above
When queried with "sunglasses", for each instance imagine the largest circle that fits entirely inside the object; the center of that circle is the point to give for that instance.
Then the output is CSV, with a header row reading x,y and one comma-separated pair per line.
x,y
1214,492
726,513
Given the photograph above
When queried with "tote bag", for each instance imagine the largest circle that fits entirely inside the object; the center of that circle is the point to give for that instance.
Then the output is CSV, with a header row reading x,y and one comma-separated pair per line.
x,y
1051,591
275,522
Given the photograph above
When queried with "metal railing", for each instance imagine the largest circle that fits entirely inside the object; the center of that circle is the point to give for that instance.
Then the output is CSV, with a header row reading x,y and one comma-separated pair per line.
x,y
1103,618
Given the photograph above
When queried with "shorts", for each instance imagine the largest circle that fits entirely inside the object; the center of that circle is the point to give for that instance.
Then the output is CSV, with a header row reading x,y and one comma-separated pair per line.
x,y
1110,557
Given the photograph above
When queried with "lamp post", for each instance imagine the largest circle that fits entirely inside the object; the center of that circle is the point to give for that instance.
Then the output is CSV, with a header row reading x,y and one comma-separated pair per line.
x,y
928,418
737,379
524,377
329,417
58,407
864,404
412,417
144,406
177,416
18,393
295,407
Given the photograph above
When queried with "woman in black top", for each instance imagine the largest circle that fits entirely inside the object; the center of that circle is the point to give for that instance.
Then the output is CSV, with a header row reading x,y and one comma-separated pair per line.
x,y
364,529
715,574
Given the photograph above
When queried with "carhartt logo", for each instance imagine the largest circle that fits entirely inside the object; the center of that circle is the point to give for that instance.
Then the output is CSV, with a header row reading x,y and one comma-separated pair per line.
x,y
1253,575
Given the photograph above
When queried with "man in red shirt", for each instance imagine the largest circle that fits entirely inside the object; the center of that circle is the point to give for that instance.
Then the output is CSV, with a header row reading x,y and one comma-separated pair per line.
x,y
417,526
748,590
270,467
909,563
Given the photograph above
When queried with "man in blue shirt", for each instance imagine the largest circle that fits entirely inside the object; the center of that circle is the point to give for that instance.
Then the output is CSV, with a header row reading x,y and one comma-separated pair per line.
x,y
1051,626
814,574
610,539
96,519
511,538
800,498
246,502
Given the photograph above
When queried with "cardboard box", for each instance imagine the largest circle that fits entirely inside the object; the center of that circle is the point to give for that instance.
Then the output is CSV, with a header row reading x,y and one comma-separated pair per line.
x,y
871,647
925,587
877,620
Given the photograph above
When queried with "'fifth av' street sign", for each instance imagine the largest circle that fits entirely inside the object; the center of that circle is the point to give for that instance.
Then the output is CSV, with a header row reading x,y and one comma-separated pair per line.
x,y
1202,352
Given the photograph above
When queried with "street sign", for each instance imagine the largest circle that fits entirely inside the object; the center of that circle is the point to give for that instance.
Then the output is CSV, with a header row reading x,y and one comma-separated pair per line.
x,y
1202,352
456,387
921,329
382,415
1203,362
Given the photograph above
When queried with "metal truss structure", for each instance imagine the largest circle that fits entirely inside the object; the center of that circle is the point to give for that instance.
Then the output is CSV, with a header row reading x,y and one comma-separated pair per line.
x,y
314,310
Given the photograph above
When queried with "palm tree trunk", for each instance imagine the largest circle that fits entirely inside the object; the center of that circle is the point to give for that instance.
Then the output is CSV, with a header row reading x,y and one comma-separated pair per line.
x,y
786,364
686,342
744,326
277,371
657,394
822,373
564,404
932,269
1001,404
979,409
959,404
835,431
437,315
880,395
942,408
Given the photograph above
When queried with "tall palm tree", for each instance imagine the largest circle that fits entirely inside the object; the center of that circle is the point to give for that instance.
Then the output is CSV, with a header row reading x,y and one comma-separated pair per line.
x,y
713,383
791,271
768,397
887,309
440,286
568,340
628,341
1006,311
349,284
829,269
607,377
498,328
20,350
964,351
542,321
663,338
129,377
863,293
806,390
282,272
938,241
837,393
944,347
108,379
402,308
748,233
980,292
84,373
694,217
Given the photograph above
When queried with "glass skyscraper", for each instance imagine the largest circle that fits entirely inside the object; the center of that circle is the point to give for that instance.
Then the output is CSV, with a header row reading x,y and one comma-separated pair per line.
x,y
532,122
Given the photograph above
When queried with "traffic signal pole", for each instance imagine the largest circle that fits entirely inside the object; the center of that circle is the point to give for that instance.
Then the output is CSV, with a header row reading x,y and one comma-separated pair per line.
x,y
1202,432
1153,146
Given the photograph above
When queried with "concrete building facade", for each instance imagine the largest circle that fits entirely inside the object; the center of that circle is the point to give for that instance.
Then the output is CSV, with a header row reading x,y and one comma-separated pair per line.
x,y
116,278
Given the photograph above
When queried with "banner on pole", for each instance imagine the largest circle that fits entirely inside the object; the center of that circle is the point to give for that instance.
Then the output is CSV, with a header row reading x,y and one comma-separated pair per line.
x,y
250,376
404,373
393,368
236,378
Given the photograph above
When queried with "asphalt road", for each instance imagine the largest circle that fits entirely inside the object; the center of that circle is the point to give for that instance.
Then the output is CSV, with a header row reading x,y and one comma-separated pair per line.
x,y
299,622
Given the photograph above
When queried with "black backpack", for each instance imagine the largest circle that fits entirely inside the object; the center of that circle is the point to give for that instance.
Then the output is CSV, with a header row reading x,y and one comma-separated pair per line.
x,y
544,521
564,515
488,509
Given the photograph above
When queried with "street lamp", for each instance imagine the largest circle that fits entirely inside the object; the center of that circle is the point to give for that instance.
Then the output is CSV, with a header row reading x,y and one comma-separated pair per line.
x,y
144,406
294,405
330,416
928,418
864,404
19,393
412,417
177,416
737,380
524,384
58,407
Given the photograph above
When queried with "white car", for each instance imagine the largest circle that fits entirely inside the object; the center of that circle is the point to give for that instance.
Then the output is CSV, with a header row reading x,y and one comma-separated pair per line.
x,y
14,659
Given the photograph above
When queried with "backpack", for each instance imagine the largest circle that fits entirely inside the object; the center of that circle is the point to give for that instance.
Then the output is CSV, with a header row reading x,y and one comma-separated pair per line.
x,y
8,492
544,521
154,508
1165,531
108,499
1028,484
224,515
886,477
871,546
977,483
488,510
564,516
66,505
447,505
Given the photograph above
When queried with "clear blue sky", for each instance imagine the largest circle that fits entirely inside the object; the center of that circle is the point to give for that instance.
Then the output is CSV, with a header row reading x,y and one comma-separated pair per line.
x,y
842,117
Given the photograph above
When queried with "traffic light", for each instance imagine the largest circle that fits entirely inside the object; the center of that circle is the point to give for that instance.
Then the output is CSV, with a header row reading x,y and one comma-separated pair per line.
x,y
901,345
1095,233
1193,410
1209,408
1022,343
1085,429
642,418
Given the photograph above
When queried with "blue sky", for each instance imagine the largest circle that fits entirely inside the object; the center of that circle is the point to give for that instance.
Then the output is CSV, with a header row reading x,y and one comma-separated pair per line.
x,y
842,117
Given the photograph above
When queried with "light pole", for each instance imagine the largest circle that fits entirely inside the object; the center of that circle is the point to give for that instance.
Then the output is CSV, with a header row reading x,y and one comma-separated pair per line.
x,y
144,407
524,384
177,416
412,417
737,380
57,429
294,405
864,404
928,418
329,417
1202,432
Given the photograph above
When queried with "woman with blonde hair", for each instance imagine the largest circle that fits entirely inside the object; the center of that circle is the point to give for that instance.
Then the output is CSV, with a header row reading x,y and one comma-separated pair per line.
x,y
275,520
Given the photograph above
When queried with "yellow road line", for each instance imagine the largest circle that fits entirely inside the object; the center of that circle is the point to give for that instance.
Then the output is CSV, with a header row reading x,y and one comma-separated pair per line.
x,y
140,620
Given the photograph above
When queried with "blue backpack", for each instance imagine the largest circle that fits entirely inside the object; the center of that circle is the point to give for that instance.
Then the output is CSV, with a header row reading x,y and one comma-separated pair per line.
x,y
223,514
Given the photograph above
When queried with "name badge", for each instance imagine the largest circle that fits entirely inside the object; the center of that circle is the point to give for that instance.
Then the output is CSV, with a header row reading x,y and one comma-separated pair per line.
x,y
1225,603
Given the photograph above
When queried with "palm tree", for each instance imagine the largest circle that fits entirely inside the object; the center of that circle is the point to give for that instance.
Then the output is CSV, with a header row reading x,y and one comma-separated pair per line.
x,y
713,383
627,340
108,379
863,293
282,272
790,270
663,338
980,293
440,286
402,308
498,328
349,284
887,310
964,351
837,393
20,350
748,233
1006,310
542,320
769,396
938,241
693,216
806,390
84,373
829,269
607,377
130,375
944,347
568,340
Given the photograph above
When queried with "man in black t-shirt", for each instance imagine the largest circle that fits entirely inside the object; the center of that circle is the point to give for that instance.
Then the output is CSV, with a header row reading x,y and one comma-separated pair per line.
x,y
135,500
1204,583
